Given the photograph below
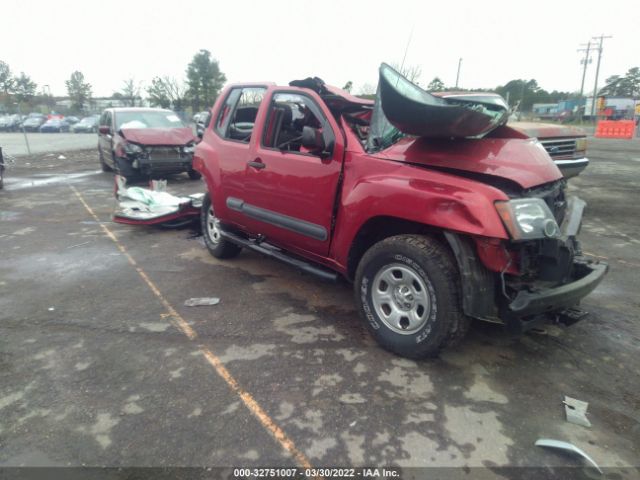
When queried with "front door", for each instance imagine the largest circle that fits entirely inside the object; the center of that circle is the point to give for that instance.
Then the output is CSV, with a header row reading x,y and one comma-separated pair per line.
x,y
289,191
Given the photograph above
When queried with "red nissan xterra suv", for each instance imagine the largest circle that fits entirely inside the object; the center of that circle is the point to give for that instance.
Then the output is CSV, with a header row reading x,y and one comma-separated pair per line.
x,y
434,208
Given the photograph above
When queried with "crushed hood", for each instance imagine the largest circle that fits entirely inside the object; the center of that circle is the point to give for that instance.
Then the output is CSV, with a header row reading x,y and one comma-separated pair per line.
x,y
415,111
523,161
158,136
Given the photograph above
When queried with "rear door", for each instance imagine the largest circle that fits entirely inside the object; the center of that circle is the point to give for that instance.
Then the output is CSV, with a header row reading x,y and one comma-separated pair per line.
x,y
233,128
288,191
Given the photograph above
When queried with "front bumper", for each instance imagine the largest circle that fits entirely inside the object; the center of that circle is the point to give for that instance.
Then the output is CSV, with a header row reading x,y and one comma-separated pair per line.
x,y
572,167
587,277
164,165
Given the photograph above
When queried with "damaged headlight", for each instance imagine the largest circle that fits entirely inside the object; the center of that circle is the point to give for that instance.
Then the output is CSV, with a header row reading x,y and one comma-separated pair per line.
x,y
528,219
189,148
132,149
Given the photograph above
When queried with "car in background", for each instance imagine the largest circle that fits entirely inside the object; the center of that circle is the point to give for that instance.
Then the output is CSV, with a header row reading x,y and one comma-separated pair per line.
x,y
202,120
10,123
145,142
565,144
72,120
200,117
33,122
86,125
55,125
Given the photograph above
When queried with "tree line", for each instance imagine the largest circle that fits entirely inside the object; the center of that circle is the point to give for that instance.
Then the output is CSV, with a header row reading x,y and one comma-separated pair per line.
x,y
198,90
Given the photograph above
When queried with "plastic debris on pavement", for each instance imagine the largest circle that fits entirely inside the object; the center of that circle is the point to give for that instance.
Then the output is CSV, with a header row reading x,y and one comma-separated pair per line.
x,y
567,447
147,206
61,157
201,301
576,411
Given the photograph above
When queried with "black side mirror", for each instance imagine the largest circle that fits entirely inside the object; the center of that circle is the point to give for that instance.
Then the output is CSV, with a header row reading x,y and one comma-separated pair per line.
x,y
313,140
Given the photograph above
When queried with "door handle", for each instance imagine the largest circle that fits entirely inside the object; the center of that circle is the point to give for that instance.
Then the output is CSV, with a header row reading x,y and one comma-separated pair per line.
x,y
257,163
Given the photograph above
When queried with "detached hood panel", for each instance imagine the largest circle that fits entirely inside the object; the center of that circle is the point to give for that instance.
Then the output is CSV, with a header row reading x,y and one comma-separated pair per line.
x,y
414,111
159,136
524,162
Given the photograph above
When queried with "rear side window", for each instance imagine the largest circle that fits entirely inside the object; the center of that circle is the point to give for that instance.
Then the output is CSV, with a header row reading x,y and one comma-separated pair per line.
x,y
238,114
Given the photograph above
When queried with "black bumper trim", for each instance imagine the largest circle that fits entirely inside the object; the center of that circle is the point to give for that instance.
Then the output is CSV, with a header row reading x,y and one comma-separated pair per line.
x,y
528,303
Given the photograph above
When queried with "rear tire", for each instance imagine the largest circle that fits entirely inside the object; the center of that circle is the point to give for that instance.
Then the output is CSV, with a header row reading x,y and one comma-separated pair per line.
x,y
407,289
218,246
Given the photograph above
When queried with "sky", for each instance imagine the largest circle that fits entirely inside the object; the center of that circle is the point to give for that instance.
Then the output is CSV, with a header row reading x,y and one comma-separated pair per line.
x,y
338,41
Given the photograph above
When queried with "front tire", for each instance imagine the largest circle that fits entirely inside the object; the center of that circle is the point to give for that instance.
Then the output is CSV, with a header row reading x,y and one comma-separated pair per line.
x,y
103,164
407,290
218,246
194,175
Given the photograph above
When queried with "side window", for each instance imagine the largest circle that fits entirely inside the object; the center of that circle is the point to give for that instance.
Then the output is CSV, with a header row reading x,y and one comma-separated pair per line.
x,y
238,115
107,119
103,119
288,114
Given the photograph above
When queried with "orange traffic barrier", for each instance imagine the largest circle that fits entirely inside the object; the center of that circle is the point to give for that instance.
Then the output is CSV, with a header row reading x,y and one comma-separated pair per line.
x,y
615,129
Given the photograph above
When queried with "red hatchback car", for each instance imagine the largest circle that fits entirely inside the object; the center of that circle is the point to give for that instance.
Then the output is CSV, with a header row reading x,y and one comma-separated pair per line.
x,y
145,142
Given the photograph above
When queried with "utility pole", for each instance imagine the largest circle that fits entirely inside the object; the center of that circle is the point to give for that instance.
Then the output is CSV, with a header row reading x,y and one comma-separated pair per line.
x,y
585,61
595,86
458,74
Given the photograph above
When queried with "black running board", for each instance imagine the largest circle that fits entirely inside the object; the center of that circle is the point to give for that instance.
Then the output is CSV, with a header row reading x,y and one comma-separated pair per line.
x,y
269,251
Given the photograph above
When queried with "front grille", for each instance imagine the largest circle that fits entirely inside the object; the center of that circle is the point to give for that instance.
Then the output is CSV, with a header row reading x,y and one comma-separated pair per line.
x,y
165,153
560,148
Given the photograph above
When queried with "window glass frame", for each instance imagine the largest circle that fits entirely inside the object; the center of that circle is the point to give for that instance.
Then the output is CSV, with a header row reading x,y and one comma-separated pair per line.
x,y
327,130
234,95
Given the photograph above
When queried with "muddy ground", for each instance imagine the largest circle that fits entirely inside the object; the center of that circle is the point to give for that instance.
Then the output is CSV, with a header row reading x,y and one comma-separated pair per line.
x,y
101,364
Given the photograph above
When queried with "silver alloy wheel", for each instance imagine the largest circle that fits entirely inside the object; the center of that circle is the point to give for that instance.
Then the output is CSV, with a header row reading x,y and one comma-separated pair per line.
x,y
401,298
213,226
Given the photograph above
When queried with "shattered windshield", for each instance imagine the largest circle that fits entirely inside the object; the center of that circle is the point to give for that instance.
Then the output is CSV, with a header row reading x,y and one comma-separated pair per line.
x,y
148,119
382,133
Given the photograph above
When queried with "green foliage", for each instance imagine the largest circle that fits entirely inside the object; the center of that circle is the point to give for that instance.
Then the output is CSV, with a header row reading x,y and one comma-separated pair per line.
x,y
204,80
626,86
436,85
24,88
528,92
6,79
78,90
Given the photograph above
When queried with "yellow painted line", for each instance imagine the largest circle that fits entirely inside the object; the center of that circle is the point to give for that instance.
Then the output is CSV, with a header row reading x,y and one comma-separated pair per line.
x,y
181,324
